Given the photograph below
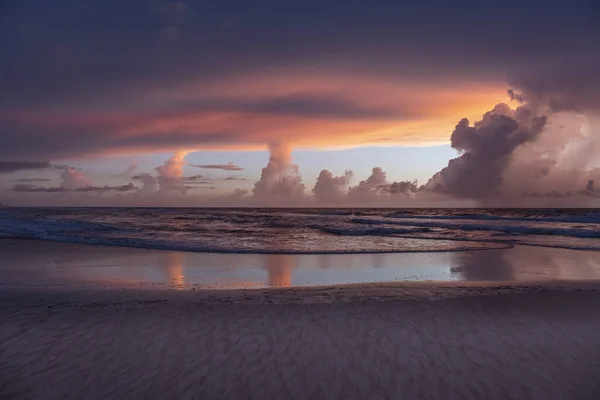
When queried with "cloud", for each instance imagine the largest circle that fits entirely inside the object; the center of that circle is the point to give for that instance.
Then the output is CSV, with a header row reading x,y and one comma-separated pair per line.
x,y
170,32
239,193
149,183
487,148
193,178
396,73
571,85
61,189
329,188
236,122
31,180
226,167
170,179
304,104
403,187
7,167
73,179
21,187
371,189
590,186
170,174
121,188
174,13
130,169
280,181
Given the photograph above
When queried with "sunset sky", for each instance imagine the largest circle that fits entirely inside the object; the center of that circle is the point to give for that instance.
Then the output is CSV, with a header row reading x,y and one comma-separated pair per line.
x,y
155,102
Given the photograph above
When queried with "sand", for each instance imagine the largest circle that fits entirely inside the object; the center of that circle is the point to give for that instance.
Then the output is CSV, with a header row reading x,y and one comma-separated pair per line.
x,y
356,342
94,322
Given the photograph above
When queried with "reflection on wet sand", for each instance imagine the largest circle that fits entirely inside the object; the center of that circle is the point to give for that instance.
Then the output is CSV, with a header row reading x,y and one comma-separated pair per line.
x,y
38,262
526,263
279,269
488,265
173,266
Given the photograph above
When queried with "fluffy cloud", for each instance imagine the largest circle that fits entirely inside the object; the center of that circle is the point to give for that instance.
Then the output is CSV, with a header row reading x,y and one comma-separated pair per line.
x,y
280,181
331,189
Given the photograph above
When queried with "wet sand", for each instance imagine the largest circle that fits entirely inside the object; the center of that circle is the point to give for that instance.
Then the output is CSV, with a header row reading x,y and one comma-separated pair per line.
x,y
44,263
421,340
72,344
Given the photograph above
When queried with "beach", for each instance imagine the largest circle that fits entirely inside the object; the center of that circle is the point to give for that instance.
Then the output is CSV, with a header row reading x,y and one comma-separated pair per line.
x,y
84,339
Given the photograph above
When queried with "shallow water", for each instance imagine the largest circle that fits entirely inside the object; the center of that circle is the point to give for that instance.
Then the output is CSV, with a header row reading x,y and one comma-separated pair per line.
x,y
33,262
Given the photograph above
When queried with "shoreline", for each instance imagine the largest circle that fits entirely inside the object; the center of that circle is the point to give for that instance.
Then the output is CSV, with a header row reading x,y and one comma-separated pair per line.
x,y
39,263
56,295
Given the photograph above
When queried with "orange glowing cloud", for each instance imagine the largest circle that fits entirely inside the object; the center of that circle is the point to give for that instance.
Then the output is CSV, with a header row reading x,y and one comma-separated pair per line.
x,y
320,111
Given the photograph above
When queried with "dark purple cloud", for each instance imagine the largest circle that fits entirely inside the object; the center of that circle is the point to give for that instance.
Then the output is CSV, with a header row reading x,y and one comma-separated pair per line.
x,y
7,167
61,189
487,148
569,86
226,167
193,178
31,180
66,56
121,188
22,187
62,142
229,38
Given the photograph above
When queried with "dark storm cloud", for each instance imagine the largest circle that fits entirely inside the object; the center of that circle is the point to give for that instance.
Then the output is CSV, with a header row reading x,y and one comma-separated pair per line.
x,y
570,86
233,37
487,147
99,55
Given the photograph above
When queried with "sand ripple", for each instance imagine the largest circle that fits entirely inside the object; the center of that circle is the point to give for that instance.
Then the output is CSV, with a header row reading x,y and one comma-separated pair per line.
x,y
520,346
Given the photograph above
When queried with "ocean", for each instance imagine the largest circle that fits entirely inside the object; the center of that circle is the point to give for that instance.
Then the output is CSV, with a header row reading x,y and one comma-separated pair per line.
x,y
308,231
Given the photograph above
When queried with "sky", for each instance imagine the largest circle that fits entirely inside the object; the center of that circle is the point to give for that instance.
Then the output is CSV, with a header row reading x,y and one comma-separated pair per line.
x,y
299,103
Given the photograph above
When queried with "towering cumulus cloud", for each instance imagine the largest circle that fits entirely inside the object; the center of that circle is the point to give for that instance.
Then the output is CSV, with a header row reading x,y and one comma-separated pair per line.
x,y
371,189
171,172
487,148
331,189
280,182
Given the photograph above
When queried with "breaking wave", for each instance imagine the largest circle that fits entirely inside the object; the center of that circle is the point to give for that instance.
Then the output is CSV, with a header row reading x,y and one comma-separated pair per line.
x,y
288,231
